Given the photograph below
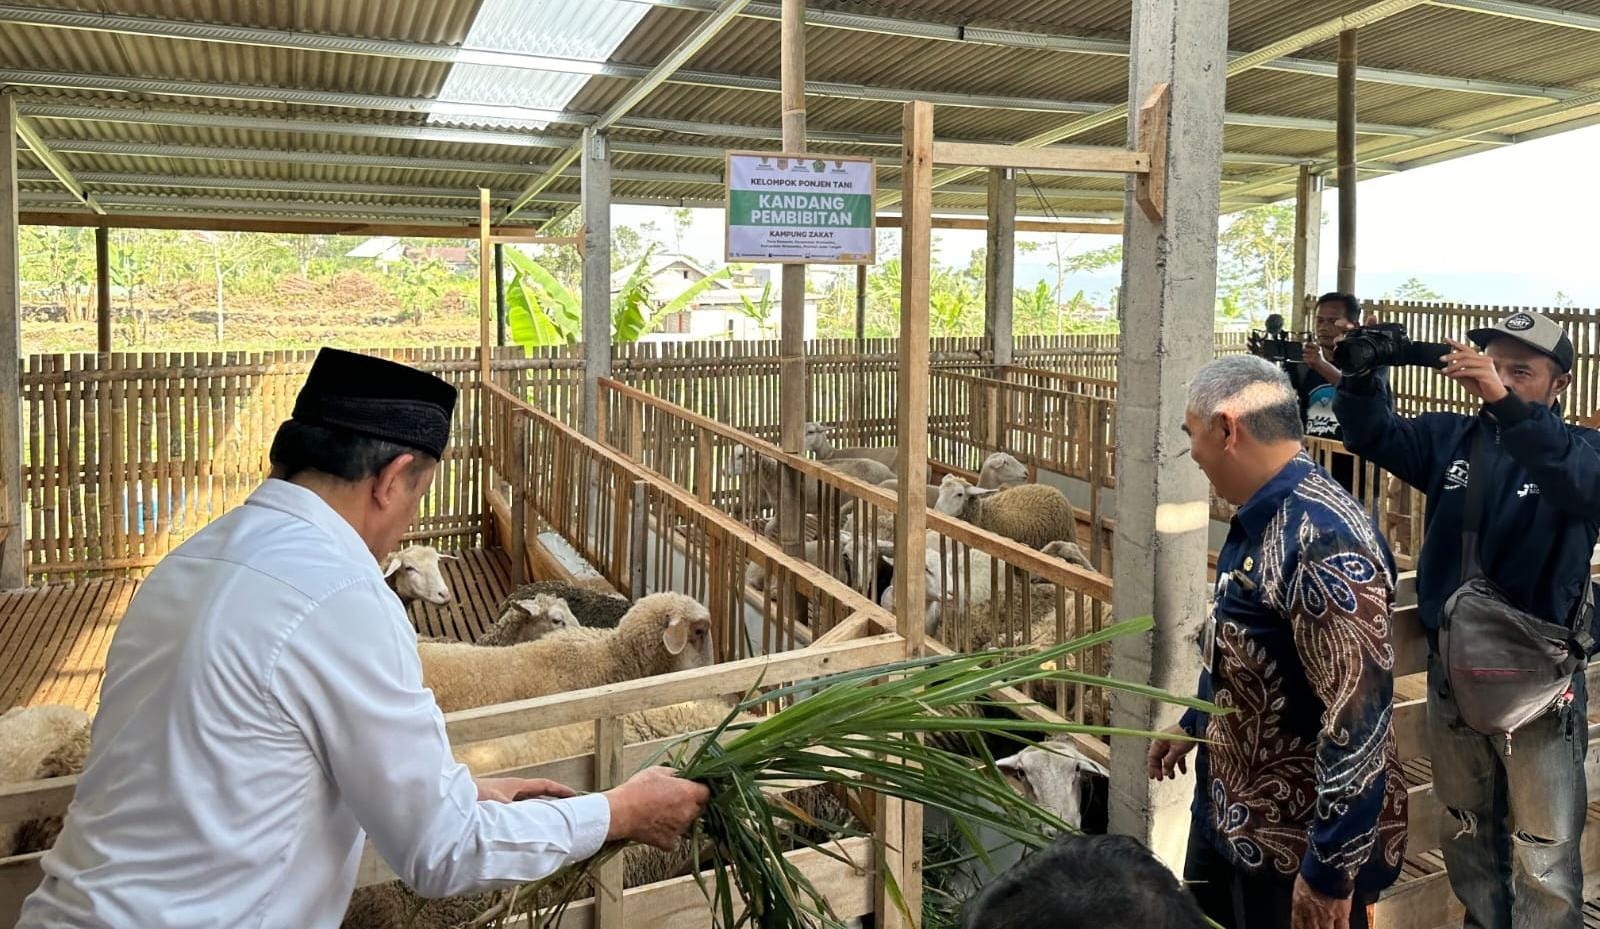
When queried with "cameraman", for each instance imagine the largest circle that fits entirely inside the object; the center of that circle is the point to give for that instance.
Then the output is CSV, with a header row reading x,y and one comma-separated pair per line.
x,y
1511,840
1316,380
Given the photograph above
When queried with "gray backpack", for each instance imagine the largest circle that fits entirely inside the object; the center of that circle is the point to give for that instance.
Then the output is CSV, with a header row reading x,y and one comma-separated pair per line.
x,y
1505,666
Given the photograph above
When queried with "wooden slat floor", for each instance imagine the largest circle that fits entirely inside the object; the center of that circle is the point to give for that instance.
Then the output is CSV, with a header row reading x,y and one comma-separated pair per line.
x,y
54,639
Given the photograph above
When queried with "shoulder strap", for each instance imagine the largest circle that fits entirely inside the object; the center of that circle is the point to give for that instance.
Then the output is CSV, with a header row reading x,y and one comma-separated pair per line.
x,y
1472,516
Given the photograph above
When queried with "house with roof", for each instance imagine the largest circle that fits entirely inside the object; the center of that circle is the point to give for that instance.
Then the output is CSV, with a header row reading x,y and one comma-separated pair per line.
x,y
716,313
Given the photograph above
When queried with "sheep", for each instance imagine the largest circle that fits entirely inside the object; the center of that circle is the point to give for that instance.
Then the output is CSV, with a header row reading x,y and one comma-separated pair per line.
x,y
588,608
1032,514
661,633
1001,471
414,574
864,470
820,447
530,618
1057,776
38,742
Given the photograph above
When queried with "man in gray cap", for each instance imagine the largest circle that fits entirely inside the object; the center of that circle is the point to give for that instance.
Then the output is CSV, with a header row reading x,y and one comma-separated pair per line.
x,y
264,710
1515,817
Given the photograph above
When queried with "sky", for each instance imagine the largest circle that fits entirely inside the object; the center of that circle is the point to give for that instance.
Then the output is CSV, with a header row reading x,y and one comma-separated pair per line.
x,y
1513,226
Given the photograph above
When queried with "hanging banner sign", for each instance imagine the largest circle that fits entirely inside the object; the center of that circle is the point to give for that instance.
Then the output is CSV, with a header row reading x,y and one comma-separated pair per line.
x,y
793,209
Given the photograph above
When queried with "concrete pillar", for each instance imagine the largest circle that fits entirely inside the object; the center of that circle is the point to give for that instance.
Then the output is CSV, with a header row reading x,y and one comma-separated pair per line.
x,y
102,288
596,206
1307,242
1168,292
1347,161
12,570
1000,270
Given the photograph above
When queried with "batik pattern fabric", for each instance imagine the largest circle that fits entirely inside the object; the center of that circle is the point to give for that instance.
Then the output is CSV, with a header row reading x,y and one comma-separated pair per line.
x,y
1302,777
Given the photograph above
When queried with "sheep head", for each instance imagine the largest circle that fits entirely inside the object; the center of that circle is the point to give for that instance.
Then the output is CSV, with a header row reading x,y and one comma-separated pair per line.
x,y
1053,775
1070,553
957,498
415,574
1002,470
932,594
531,619
816,440
666,632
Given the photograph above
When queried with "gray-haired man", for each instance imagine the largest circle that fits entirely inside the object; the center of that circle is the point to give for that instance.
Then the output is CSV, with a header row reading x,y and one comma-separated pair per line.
x,y
1299,808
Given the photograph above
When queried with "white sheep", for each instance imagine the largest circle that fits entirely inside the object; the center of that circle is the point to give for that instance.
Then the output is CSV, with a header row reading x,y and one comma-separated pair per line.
x,y
820,446
661,633
864,470
37,742
1032,514
529,619
892,485
1057,776
415,574
1001,471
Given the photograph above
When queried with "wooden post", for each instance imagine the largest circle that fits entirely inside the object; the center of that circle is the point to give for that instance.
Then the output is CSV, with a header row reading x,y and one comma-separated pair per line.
x,y
519,505
500,291
102,287
900,824
637,575
1307,243
596,238
484,424
1347,161
1169,289
861,303
13,572
792,338
610,769
1000,268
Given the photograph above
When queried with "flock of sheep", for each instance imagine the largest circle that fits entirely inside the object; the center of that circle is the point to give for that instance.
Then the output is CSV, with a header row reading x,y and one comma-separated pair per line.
x,y
553,637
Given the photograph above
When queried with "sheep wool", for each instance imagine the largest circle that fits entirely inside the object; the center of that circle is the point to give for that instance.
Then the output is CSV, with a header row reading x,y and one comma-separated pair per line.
x,y
1033,514
661,633
39,742
529,619
590,608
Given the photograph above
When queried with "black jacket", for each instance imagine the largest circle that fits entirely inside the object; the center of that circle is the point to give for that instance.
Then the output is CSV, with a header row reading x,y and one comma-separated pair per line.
x,y
1541,508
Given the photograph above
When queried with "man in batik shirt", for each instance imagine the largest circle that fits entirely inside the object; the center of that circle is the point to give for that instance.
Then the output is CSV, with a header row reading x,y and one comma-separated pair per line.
x,y
1299,810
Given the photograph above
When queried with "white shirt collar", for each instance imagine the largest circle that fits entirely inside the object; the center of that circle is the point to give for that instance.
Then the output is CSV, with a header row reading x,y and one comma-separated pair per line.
x,y
305,504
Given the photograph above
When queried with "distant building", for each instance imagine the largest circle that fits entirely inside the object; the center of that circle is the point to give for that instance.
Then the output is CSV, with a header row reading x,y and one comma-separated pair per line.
x,y
716,312
385,250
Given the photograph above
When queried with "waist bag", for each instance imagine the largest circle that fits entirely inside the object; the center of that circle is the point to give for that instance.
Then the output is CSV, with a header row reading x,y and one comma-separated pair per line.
x,y
1505,666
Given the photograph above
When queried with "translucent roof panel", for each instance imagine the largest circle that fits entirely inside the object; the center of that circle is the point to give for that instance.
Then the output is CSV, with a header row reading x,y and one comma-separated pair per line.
x,y
577,30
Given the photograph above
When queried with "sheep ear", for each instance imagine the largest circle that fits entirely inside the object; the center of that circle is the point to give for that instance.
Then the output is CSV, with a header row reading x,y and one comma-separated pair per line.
x,y
676,635
981,491
393,566
451,557
528,606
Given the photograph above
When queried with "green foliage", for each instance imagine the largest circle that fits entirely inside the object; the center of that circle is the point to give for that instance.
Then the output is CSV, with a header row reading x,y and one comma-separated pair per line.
x,y
758,311
1414,289
1255,266
540,310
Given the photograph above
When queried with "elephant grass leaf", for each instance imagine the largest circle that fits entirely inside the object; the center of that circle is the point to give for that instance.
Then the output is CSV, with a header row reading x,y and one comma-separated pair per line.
x,y
863,729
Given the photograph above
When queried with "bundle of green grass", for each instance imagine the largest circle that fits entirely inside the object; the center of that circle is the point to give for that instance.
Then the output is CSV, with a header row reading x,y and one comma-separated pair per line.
x,y
862,728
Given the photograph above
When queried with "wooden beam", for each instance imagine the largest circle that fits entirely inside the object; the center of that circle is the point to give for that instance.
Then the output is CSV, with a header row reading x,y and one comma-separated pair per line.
x,y
595,184
1076,158
793,403
535,239
1000,265
244,224
102,288
889,221
1346,138
485,301
1150,188
12,570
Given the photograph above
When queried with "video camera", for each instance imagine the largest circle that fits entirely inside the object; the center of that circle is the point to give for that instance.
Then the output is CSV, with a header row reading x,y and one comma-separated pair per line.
x,y
1368,348
1275,344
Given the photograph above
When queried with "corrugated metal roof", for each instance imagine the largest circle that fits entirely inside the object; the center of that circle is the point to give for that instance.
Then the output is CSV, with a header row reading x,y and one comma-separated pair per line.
x,y
684,127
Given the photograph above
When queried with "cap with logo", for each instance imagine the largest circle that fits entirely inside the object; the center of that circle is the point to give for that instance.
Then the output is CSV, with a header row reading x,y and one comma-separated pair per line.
x,y
1539,333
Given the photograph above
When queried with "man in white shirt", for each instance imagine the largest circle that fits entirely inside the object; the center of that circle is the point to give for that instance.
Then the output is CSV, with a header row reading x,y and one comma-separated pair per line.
x,y
263,707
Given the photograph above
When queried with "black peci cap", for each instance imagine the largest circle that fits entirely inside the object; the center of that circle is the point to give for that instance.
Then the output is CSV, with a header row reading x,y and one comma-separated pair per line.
x,y
377,398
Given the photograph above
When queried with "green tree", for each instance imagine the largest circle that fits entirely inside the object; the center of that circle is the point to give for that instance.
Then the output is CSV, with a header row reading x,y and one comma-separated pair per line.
x,y
58,261
1256,260
1414,289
